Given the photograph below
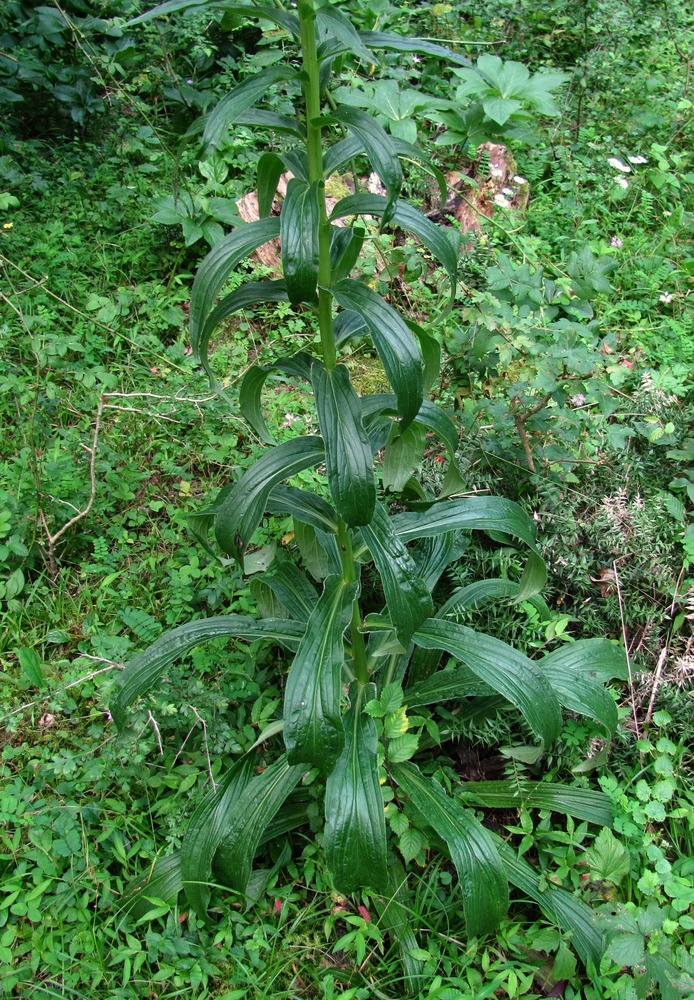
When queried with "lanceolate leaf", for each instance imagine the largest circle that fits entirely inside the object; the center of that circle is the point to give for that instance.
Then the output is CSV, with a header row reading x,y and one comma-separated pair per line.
x,y
255,808
447,685
402,455
299,224
345,246
402,43
313,730
582,803
348,324
253,381
303,506
293,590
144,670
284,19
576,673
406,217
335,22
467,514
217,266
244,505
162,880
240,99
347,448
474,854
396,345
271,121
317,549
355,829
379,148
507,671
563,908
243,297
205,830
408,600
270,167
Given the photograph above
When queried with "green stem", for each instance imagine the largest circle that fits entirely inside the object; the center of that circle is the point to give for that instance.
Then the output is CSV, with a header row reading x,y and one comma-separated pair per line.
x,y
314,150
349,571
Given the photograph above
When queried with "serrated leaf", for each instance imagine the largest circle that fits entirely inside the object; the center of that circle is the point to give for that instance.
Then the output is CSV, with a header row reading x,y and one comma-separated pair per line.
x,y
348,456
355,829
608,859
256,806
299,224
396,345
410,844
313,731
244,505
408,599
481,873
402,748
144,670
503,668
205,831
390,698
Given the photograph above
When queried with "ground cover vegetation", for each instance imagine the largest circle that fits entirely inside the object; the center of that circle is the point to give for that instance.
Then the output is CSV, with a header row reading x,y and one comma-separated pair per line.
x,y
220,841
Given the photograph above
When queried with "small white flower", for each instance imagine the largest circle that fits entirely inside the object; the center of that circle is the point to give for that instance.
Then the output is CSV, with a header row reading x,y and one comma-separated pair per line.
x,y
289,419
579,399
508,192
622,181
667,215
519,180
617,242
496,173
666,297
637,159
501,201
618,165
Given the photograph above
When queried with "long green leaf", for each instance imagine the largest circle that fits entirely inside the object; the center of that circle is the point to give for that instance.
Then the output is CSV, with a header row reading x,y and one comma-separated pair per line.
x,y
355,830
205,830
402,455
240,99
403,43
250,294
447,685
217,266
394,914
270,120
269,171
293,590
142,672
244,505
467,514
348,454
334,21
303,506
561,907
162,880
313,730
284,19
576,673
474,854
255,809
299,224
582,803
345,247
379,149
396,345
507,671
408,599
317,549
406,217
298,365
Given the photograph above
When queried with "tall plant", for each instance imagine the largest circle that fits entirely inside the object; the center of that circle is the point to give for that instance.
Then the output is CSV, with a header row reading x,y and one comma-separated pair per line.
x,y
357,670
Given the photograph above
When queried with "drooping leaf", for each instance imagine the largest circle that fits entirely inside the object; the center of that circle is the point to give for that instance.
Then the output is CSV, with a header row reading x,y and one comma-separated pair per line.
x,y
244,505
269,171
402,455
293,590
397,347
256,806
403,43
303,506
162,880
334,21
394,913
355,831
379,149
348,324
576,673
247,295
408,600
347,449
144,670
241,98
253,381
272,122
474,854
283,18
563,908
406,217
318,549
313,730
345,247
299,223
447,685
582,803
503,668
217,266
205,830
479,513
